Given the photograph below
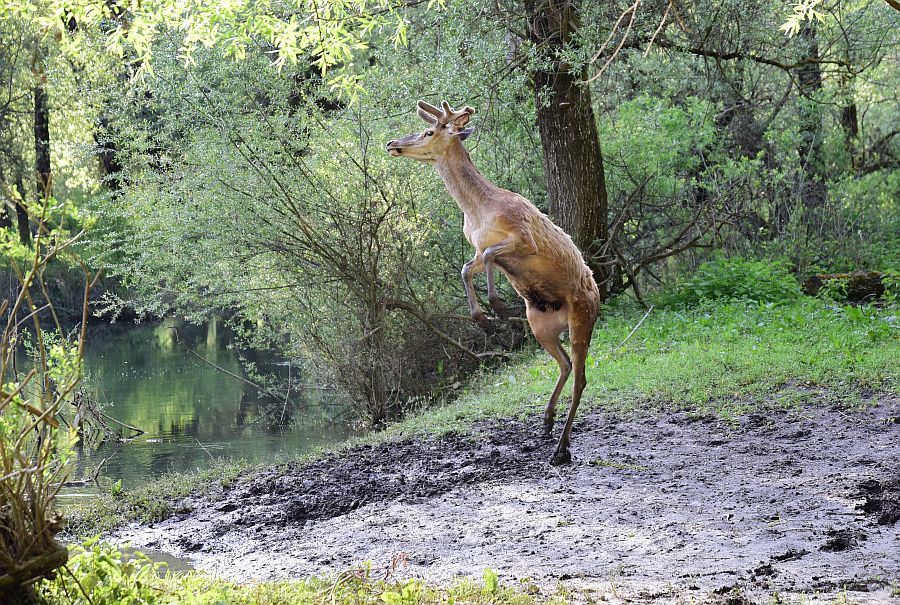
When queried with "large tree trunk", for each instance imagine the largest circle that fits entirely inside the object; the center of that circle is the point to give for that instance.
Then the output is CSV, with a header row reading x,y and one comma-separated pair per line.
x,y
42,141
850,125
23,225
573,161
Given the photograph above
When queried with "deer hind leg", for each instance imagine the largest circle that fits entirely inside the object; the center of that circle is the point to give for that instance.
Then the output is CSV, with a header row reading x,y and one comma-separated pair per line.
x,y
547,327
581,324
476,265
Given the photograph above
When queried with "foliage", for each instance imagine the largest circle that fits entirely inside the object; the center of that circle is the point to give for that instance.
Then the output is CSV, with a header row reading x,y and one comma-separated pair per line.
x,y
326,34
734,279
866,232
102,574
658,143
800,12
34,448
318,243
768,169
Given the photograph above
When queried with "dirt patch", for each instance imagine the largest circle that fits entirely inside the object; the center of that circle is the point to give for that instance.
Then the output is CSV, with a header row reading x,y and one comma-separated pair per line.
x,y
842,539
401,471
654,509
882,499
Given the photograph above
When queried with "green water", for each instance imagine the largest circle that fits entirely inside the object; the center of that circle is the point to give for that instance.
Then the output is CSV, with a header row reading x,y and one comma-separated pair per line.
x,y
191,412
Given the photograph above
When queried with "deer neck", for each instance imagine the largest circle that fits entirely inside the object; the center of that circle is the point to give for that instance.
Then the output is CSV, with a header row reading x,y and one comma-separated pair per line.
x,y
466,185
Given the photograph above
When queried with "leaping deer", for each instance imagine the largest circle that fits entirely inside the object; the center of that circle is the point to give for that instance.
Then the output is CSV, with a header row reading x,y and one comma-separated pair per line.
x,y
539,259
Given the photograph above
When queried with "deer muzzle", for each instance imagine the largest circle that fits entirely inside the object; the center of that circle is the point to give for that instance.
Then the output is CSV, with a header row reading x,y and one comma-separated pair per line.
x,y
394,148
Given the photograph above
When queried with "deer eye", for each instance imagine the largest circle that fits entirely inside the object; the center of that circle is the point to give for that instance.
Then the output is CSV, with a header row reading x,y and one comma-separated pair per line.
x,y
429,133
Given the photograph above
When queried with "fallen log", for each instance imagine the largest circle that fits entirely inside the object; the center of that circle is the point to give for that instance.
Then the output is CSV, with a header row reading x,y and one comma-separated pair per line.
x,y
858,286
16,583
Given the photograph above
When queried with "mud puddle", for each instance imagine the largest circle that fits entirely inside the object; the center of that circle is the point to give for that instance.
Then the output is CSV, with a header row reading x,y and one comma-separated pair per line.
x,y
667,508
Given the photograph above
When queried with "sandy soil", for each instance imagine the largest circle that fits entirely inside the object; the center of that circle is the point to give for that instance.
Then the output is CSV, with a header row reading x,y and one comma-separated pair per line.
x,y
667,508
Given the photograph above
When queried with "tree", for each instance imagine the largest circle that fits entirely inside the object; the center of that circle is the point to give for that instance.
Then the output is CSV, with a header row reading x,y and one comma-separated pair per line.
x,y
42,168
573,160
813,192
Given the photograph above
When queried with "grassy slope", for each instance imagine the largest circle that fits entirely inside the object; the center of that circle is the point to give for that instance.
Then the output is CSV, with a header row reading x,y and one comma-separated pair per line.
x,y
724,359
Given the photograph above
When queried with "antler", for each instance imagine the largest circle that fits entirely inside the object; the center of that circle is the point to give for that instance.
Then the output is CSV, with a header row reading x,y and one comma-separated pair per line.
x,y
428,112
433,115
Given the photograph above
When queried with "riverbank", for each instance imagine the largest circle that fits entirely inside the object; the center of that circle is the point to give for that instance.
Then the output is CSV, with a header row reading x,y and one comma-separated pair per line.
x,y
677,422
660,506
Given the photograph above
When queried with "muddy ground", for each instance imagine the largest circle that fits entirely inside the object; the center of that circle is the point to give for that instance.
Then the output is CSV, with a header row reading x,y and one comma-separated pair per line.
x,y
663,508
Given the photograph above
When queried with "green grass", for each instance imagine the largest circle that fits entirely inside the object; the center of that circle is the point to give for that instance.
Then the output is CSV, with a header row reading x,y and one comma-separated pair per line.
x,y
148,503
111,577
724,359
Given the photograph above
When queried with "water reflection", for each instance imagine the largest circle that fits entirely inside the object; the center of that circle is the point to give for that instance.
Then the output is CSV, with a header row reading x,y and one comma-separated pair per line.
x,y
191,411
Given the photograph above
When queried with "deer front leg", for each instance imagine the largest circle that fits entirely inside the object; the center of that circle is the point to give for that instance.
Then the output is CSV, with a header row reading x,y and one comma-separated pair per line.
x,y
476,265
517,244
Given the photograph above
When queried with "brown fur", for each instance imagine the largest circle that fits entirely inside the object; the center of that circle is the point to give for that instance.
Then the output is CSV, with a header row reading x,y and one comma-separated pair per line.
x,y
539,259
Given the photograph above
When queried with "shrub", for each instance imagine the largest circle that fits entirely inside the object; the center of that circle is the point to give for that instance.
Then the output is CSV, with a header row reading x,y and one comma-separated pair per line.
x,y
99,574
34,448
734,279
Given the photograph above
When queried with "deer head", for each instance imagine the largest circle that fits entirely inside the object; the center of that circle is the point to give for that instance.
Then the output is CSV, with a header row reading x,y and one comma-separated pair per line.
x,y
445,126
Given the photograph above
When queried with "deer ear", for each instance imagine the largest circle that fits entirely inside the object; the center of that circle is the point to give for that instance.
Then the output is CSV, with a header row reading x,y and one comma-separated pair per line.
x,y
464,134
462,119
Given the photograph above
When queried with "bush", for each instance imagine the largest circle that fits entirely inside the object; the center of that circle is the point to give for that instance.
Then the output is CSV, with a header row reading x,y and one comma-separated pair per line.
x,y
100,574
34,448
734,279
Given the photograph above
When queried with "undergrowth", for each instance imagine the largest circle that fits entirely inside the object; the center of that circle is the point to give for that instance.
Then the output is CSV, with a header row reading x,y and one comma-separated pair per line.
x,y
733,278
100,574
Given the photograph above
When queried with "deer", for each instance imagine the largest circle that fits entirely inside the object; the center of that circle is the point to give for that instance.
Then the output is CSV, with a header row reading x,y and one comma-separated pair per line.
x,y
509,233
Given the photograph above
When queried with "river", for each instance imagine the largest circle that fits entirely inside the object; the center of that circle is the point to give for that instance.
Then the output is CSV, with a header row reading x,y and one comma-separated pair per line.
x,y
192,413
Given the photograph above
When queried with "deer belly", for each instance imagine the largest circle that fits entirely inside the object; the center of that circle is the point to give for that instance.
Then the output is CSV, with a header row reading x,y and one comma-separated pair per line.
x,y
538,291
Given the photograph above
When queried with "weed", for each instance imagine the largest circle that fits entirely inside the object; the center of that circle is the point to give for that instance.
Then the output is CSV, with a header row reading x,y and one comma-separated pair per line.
x,y
111,577
115,490
622,466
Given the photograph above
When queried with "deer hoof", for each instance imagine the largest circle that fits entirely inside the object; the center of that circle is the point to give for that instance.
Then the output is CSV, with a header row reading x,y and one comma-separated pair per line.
x,y
560,458
485,323
548,428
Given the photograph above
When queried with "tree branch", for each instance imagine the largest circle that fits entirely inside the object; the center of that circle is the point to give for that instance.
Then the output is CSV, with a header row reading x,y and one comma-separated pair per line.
x,y
391,303
735,55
